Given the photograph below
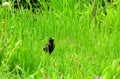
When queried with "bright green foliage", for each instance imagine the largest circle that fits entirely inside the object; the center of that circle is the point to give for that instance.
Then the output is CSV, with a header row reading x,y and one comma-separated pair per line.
x,y
112,71
84,49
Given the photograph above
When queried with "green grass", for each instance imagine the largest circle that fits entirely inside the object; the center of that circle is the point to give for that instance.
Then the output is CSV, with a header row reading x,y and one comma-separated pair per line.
x,y
83,49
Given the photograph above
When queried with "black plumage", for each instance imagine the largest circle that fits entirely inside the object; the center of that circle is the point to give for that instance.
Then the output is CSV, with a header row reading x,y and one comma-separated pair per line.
x,y
50,46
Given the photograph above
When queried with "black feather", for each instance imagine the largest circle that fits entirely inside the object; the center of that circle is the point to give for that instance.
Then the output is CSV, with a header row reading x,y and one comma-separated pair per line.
x,y
50,46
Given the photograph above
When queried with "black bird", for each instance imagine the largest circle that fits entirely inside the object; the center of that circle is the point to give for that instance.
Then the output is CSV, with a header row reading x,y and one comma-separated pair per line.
x,y
50,46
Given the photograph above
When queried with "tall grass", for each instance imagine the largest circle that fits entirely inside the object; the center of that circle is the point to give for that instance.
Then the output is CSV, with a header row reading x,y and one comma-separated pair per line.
x,y
83,50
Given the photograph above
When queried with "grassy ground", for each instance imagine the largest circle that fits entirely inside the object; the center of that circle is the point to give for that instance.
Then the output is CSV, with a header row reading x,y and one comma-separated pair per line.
x,y
83,49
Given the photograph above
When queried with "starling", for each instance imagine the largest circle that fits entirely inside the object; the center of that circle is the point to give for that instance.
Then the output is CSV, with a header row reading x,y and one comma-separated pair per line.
x,y
50,46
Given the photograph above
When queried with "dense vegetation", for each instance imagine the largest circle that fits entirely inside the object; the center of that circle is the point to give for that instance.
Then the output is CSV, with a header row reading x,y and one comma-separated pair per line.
x,y
84,48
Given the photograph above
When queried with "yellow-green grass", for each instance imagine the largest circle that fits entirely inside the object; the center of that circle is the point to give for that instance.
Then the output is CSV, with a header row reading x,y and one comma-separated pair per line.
x,y
83,49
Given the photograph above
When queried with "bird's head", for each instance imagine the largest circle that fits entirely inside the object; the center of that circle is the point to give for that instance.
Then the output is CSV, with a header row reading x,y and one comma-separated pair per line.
x,y
51,40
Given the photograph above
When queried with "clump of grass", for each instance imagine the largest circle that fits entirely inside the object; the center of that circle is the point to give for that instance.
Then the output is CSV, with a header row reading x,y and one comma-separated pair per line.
x,y
112,71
